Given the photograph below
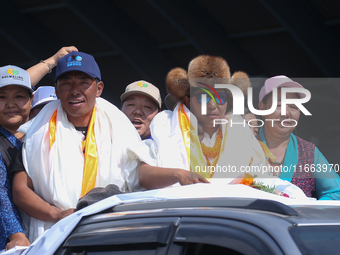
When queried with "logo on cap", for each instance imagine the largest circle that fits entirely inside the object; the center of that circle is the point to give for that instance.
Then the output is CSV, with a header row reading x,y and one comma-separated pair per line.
x,y
74,60
140,84
12,72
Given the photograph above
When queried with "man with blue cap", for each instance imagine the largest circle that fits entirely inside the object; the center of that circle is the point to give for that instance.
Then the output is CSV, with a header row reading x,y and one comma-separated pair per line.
x,y
73,145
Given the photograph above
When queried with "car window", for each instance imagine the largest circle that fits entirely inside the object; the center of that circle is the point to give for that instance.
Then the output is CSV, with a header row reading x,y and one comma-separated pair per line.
x,y
196,235
166,235
131,236
124,249
317,239
205,249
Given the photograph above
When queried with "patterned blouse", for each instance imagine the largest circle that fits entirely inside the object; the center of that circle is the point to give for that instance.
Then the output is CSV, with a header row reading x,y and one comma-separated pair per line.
x,y
10,222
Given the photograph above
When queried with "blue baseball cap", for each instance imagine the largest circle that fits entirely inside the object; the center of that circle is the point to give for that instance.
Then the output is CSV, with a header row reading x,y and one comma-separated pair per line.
x,y
78,61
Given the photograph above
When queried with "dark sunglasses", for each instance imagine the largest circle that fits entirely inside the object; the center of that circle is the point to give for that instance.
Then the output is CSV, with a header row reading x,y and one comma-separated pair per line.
x,y
222,95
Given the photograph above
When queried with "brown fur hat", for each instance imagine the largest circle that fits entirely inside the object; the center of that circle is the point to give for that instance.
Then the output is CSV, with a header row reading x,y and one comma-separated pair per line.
x,y
241,80
203,66
177,83
206,66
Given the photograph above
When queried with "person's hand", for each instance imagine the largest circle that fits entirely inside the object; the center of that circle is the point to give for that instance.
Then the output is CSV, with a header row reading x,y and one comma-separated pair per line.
x,y
185,177
38,71
52,61
56,214
17,239
65,213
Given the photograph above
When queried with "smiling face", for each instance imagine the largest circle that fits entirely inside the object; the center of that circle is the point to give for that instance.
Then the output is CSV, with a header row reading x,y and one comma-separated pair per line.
x,y
15,105
214,111
77,92
292,112
140,110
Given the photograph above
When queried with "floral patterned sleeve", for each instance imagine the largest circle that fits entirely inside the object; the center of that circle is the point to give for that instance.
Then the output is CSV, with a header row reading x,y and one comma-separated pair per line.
x,y
10,222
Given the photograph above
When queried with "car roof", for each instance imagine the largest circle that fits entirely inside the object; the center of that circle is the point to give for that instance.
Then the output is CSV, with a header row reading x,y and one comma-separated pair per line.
x,y
266,211
297,214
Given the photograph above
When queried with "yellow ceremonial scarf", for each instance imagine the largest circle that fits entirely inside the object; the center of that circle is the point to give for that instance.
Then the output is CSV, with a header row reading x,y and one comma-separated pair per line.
x,y
268,154
193,145
90,155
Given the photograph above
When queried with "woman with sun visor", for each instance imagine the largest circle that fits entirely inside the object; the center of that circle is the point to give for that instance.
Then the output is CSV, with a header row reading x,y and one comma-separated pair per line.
x,y
296,160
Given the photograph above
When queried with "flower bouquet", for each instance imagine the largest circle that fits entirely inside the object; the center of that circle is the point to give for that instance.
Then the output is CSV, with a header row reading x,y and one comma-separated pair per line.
x,y
270,185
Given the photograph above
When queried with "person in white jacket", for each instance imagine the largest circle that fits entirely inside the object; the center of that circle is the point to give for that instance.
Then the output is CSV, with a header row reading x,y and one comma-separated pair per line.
x,y
74,144
191,147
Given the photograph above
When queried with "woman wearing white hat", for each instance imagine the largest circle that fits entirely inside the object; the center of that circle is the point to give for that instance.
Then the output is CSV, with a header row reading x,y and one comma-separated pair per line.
x,y
15,104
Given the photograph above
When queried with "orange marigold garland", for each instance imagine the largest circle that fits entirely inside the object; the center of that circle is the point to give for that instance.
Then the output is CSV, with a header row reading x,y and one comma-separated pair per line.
x,y
214,151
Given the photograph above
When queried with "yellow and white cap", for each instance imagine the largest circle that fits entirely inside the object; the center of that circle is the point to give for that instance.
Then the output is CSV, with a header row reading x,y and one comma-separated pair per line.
x,y
144,88
13,75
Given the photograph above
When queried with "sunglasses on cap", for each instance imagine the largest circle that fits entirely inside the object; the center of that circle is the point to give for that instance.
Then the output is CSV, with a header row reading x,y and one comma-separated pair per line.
x,y
223,96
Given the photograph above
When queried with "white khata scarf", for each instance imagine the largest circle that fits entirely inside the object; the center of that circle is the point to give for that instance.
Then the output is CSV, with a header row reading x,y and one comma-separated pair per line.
x,y
168,148
57,172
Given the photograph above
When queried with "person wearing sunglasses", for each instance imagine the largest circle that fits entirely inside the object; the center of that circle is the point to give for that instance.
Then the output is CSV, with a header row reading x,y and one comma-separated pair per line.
x,y
190,140
216,105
